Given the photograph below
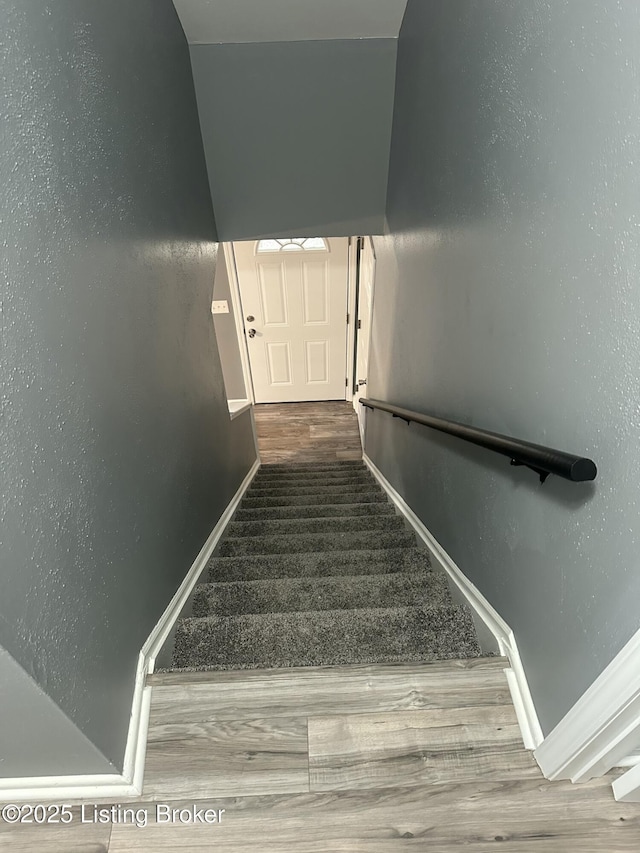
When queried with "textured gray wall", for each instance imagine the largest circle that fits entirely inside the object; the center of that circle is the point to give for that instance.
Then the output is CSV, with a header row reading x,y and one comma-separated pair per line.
x,y
507,297
118,455
296,135
227,335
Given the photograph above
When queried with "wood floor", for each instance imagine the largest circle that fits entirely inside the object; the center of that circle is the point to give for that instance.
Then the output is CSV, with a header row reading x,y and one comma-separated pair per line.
x,y
307,432
359,759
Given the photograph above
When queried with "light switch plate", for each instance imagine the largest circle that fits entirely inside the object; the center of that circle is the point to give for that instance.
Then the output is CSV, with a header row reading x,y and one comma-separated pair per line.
x,y
220,307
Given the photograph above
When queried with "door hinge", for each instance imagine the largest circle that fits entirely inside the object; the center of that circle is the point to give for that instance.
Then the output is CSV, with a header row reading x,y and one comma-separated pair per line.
x,y
346,382
359,324
348,315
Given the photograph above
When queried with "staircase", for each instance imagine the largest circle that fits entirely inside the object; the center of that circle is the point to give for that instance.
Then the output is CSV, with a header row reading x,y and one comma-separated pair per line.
x,y
316,568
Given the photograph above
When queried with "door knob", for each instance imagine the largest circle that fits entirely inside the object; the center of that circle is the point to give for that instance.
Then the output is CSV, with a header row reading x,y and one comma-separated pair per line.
x,y
362,381
250,318
252,333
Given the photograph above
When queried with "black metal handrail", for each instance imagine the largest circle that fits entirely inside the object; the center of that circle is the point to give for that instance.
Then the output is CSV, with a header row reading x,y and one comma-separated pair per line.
x,y
542,460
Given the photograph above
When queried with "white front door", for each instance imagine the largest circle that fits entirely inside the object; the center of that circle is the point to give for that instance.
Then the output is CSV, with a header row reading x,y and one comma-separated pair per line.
x,y
294,302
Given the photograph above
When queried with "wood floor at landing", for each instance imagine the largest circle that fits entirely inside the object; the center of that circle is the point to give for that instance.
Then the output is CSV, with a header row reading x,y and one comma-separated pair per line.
x,y
307,432
360,759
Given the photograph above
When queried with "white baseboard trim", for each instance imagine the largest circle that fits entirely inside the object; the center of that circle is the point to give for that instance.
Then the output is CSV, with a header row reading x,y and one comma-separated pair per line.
x,y
603,727
525,709
64,789
128,784
158,636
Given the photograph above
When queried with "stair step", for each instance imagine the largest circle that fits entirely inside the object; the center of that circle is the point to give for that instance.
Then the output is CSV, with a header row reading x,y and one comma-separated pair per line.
x,y
317,569
310,476
328,526
319,564
313,511
296,482
302,486
347,487
313,466
295,543
331,498
326,637
342,592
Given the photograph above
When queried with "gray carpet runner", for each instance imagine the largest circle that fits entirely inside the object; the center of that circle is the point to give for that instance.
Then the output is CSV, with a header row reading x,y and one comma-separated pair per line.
x,y
317,568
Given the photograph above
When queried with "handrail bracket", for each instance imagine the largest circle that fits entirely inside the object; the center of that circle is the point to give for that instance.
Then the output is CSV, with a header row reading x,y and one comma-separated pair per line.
x,y
542,474
406,420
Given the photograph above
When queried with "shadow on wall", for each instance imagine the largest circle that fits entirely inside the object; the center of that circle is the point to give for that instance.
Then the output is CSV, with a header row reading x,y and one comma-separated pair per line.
x,y
297,139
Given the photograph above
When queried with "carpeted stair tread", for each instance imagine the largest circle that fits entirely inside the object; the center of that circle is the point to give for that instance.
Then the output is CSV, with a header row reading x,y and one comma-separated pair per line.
x,y
341,592
326,637
312,511
344,484
312,466
305,482
295,543
319,564
370,496
310,476
328,526
316,568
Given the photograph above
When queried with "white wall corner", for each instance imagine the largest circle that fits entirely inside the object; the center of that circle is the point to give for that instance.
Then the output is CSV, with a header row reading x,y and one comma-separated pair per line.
x,y
626,788
129,783
602,728
526,713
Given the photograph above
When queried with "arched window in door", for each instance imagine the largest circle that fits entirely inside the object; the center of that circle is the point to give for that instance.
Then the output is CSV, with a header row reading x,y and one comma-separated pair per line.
x,y
293,244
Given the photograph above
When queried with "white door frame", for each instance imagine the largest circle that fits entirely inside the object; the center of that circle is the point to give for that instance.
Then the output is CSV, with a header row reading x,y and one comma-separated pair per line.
x,y
351,314
234,287
369,318
360,410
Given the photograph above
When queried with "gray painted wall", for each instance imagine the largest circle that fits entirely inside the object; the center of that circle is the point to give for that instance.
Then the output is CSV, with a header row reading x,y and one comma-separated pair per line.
x,y
227,335
296,135
118,455
33,726
507,298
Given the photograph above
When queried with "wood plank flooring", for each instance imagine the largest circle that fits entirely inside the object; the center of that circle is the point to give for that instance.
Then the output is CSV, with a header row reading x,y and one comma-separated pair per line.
x,y
307,432
416,747
356,759
74,837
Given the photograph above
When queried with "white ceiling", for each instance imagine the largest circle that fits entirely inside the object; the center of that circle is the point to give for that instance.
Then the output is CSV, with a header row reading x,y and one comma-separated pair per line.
x,y
230,21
